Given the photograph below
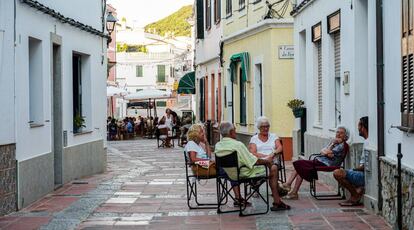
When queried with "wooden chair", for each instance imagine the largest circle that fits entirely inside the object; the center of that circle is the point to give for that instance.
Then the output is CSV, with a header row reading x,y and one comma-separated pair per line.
x,y
337,195
164,137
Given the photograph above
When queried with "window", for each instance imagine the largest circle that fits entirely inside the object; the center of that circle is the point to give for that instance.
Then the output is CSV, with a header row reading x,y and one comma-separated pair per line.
x,y
160,73
229,8
337,68
137,90
334,26
161,104
139,71
200,19
317,39
407,62
242,4
77,90
208,14
35,82
81,85
217,11
242,92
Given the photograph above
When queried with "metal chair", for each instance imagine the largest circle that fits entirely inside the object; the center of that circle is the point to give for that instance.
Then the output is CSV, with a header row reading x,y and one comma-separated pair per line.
x,y
337,195
191,182
229,163
281,167
163,137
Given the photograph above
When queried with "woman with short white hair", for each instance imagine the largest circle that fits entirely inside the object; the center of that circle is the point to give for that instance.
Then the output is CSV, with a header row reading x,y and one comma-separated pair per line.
x,y
265,145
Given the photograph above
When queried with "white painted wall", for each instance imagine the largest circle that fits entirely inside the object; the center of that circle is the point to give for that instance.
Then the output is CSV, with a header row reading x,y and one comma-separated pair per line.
x,y
87,12
353,59
7,81
392,83
37,141
207,60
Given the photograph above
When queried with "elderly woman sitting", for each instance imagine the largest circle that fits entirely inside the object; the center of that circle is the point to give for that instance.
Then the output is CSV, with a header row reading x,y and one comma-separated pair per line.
x,y
265,145
198,149
331,155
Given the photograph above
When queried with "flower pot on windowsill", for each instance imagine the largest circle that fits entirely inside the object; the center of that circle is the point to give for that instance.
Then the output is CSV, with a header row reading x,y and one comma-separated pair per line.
x,y
298,112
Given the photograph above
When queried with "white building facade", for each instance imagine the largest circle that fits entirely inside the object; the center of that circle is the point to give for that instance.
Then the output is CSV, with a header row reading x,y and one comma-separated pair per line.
x,y
160,66
208,70
339,75
54,81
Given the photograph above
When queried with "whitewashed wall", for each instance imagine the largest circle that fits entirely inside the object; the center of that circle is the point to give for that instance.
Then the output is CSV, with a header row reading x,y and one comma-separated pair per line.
x,y
37,141
392,83
207,57
7,81
353,59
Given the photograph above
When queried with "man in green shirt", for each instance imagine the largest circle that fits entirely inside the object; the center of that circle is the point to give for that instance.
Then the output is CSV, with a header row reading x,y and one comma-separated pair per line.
x,y
229,144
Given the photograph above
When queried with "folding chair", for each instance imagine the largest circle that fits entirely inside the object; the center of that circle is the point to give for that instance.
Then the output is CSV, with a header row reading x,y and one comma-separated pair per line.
x,y
281,167
337,195
192,192
251,185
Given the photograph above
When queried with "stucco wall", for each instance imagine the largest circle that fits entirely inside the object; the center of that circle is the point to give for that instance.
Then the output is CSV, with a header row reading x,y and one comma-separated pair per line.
x,y
7,81
277,79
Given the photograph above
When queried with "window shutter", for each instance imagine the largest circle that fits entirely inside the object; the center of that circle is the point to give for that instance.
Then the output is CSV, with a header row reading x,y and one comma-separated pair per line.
x,y
337,67
208,14
319,82
229,8
407,65
161,73
200,19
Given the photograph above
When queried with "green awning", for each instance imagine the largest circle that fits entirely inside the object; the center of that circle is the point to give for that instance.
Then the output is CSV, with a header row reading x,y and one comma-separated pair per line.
x,y
244,59
187,84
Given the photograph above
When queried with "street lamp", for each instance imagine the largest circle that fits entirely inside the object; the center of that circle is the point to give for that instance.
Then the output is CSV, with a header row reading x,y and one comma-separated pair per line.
x,y
110,25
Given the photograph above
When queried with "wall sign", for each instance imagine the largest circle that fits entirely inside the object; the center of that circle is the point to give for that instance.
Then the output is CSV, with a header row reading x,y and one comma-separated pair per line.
x,y
286,52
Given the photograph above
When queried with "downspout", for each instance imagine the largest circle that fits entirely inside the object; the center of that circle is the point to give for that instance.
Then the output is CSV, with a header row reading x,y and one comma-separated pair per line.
x,y
380,96
14,97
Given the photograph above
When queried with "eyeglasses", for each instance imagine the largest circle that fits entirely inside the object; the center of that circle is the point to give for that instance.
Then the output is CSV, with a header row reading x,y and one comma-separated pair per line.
x,y
265,126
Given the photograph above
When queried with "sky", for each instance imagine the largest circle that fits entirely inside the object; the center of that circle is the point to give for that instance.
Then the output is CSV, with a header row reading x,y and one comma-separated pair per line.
x,y
143,12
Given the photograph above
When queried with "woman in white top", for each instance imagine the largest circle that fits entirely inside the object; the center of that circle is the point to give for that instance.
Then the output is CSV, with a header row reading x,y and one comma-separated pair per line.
x,y
265,145
198,149
169,119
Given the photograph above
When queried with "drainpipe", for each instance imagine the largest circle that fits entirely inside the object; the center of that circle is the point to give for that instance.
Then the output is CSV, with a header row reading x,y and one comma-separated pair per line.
x,y
380,95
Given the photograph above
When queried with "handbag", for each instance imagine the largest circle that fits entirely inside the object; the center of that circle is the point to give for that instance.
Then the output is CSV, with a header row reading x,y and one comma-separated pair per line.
x,y
205,169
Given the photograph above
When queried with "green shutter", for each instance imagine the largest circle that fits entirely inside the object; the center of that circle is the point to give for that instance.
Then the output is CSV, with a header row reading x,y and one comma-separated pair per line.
x,y
161,104
161,73
139,71
200,19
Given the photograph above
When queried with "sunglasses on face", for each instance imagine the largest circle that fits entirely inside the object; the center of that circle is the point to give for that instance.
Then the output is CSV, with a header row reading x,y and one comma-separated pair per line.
x,y
265,126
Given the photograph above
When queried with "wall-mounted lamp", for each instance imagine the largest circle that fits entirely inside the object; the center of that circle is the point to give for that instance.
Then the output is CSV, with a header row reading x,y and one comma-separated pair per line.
x,y
110,25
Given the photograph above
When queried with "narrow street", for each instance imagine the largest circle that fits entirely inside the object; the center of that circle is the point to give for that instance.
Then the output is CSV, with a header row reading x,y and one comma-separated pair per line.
x,y
144,188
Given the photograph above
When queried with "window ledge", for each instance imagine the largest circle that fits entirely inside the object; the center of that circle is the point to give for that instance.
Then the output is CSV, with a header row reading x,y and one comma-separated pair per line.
x,y
228,16
82,133
406,129
35,125
317,126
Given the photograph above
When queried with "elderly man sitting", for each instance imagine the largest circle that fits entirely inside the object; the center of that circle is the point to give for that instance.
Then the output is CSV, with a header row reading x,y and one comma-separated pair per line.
x,y
229,144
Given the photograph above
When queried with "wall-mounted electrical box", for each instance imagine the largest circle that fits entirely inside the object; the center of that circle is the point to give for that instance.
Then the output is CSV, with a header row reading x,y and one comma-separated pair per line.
x,y
345,82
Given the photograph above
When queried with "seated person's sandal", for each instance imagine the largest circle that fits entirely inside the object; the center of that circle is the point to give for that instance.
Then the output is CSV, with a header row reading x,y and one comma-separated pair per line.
x,y
280,207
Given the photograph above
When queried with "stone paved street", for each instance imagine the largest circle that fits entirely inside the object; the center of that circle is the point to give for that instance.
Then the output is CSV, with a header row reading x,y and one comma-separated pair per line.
x,y
144,188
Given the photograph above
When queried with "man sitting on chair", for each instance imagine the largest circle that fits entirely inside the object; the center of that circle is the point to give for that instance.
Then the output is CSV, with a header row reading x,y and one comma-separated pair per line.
x,y
229,144
354,179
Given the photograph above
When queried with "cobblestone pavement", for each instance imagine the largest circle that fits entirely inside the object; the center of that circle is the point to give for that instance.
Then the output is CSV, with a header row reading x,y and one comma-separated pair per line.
x,y
144,188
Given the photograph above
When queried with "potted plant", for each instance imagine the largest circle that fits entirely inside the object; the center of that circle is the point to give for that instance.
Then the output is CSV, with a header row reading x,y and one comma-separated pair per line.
x,y
297,106
78,123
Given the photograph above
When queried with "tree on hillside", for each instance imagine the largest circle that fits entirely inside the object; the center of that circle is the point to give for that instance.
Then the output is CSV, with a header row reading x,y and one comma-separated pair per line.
x,y
175,24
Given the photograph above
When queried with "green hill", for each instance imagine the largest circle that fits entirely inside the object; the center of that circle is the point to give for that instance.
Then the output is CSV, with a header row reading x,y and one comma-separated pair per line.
x,y
176,23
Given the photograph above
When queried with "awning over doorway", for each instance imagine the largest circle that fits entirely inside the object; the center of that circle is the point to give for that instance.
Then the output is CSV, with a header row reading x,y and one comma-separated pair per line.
x,y
187,84
243,58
